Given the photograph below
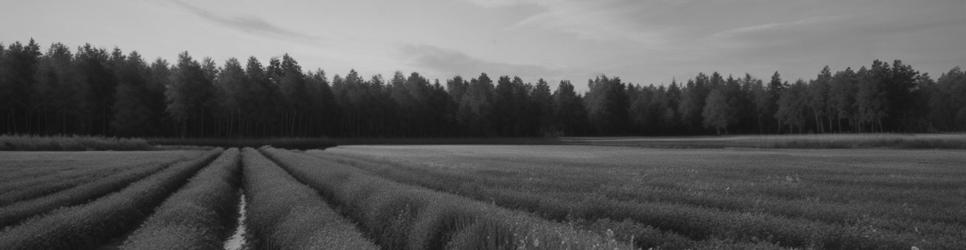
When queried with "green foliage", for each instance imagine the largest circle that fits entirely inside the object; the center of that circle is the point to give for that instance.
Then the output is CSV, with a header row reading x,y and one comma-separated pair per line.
x,y
285,214
96,223
199,215
399,216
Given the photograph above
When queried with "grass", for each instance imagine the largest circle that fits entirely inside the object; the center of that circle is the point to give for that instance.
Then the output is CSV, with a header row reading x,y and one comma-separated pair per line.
x,y
70,143
199,215
853,199
96,223
400,216
286,214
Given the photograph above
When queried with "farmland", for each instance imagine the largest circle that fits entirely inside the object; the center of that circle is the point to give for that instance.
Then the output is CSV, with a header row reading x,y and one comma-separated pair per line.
x,y
854,199
484,197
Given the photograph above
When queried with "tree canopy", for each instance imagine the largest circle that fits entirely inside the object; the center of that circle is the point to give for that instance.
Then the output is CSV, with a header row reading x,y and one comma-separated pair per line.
x,y
94,91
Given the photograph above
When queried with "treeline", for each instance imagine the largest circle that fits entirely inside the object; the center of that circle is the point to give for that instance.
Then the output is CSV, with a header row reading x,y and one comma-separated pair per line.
x,y
93,91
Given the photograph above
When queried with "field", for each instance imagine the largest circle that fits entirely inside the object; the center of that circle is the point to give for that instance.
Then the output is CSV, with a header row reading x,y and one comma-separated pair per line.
x,y
484,197
851,199
810,141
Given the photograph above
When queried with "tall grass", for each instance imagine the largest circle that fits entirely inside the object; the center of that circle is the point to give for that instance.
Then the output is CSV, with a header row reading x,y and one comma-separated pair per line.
x,y
199,215
70,143
399,216
13,213
286,214
99,222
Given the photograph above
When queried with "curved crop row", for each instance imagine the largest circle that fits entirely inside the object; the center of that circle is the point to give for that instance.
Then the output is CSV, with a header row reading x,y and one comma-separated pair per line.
x,y
400,216
14,213
98,222
286,214
57,182
199,215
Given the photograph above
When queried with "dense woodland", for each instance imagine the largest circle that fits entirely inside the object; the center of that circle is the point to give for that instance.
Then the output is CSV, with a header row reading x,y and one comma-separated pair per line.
x,y
94,91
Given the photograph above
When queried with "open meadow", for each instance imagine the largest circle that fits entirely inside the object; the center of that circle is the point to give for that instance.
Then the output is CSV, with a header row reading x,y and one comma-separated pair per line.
x,y
484,197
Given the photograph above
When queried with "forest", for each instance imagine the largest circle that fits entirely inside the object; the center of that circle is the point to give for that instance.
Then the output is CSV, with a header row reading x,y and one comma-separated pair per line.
x,y
95,91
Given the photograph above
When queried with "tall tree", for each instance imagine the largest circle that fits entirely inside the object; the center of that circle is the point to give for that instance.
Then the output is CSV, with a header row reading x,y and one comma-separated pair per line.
x,y
475,106
188,96
58,94
694,95
841,98
19,75
607,105
870,98
541,103
288,76
158,81
324,109
718,113
569,113
792,106
231,94
133,113
818,92
98,77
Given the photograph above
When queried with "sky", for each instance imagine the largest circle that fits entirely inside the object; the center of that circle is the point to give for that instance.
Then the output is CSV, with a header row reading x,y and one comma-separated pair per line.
x,y
640,41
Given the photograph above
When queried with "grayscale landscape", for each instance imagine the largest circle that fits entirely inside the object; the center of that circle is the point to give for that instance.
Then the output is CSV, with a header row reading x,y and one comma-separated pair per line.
x,y
482,124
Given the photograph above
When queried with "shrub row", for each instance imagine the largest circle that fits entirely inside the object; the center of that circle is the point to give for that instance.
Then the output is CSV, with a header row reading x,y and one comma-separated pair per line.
x,y
400,216
57,182
103,220
69,143
198,216
286,214
10,215
698,223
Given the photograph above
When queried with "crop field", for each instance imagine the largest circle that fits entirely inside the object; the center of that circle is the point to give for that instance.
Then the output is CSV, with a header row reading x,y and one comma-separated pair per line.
x,y
484,197
703,198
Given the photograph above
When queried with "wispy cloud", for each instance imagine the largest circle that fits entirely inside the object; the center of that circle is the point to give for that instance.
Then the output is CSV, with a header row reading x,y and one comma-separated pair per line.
x,y
790,26
248,24
599,20
451,62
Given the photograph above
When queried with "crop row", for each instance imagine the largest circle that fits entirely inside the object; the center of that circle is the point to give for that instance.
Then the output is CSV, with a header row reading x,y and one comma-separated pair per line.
x,y
699,223
14,213
286,214
107,218
199,215
399,216
57,182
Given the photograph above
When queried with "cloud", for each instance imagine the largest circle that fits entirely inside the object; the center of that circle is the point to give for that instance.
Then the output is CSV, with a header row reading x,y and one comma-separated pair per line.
x,y
598,20
451,62
248,24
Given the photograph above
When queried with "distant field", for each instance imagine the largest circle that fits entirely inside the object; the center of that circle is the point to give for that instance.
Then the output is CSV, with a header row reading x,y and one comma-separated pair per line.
x,y
704,198
900,141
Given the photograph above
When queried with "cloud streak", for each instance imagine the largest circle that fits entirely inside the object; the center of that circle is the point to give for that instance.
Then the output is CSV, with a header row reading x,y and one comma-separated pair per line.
x,y
451,62
248,24
599,20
